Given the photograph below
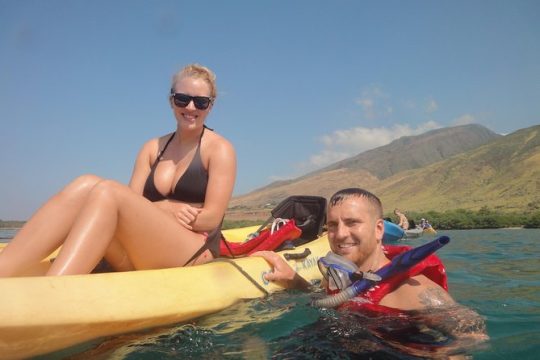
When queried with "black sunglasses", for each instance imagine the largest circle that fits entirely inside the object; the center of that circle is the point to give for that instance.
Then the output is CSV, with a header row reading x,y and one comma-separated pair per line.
x,y
183,100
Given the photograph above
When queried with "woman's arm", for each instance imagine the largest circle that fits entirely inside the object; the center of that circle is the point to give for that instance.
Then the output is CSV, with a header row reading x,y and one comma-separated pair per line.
x,y
143,162
221,178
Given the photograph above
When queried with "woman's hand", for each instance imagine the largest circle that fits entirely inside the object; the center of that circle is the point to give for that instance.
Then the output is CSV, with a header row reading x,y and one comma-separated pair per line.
x,y
186,214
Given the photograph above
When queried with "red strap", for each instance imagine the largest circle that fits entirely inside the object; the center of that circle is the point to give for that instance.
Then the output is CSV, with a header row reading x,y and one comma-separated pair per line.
x,y
265,241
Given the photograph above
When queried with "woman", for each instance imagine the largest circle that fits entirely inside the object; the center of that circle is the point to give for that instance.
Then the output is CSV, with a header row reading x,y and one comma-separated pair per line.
x,y
170,214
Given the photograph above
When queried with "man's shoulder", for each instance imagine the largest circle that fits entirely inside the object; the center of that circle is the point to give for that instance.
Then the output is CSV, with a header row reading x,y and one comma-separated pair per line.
x,y
416,293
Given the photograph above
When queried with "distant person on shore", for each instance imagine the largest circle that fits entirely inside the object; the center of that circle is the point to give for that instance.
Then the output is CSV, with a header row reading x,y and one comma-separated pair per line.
x,y
424,224
402,219
170,214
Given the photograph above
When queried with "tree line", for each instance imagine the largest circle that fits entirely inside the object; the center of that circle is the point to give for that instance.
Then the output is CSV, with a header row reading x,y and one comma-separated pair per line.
x,y
485,218
458,219
14,224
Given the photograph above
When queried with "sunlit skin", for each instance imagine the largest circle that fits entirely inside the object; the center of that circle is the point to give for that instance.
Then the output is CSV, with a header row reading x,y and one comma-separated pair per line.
x,y
403,222
94,218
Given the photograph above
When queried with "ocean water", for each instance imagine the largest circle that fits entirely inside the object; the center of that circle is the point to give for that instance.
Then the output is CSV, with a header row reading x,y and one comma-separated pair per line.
x,y
494,272
7,234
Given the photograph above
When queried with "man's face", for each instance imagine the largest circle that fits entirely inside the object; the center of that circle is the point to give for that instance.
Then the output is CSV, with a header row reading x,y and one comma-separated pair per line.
x,y
353,229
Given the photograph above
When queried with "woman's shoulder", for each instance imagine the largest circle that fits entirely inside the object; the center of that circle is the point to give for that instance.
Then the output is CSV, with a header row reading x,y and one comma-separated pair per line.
x,y
159,140
216,142
152,146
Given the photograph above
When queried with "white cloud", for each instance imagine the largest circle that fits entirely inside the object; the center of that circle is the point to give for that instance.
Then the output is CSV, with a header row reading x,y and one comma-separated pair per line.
x,y
408,104
349,142
431,106
273,178
326,157
374,103
464,120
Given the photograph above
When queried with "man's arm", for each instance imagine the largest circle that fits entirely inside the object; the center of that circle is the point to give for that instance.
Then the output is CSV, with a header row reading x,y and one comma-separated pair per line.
x,y
423,295
282,273
417,293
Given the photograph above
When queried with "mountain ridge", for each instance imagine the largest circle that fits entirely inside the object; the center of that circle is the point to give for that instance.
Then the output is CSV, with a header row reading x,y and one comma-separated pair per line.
x,y
417,150
490,170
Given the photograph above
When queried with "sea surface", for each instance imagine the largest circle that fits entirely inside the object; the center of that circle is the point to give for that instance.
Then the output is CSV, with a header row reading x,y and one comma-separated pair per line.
x,y
7,234
494,272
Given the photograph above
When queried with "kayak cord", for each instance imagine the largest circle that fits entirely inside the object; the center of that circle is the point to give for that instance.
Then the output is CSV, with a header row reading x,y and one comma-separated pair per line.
x,y
227,245
243,272
397,265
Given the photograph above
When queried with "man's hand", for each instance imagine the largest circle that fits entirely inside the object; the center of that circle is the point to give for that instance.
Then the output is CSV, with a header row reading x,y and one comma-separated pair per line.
x,y
281,270
282,273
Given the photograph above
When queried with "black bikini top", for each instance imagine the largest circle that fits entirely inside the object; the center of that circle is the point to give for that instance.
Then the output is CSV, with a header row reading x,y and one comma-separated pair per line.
x,y
191,186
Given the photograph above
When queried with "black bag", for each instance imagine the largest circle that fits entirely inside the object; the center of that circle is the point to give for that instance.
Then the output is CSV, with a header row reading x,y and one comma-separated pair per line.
x,y
309,213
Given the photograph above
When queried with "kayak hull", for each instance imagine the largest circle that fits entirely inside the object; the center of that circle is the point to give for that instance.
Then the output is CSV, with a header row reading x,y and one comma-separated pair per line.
x,y
392,232
44,314
430,231
414,233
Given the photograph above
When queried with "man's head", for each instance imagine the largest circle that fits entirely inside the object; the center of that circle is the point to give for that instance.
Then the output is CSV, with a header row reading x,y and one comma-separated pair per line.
x,y
355,226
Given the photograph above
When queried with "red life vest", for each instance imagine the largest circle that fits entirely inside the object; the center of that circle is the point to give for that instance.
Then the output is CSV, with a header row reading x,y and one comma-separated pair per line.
x,y
431,267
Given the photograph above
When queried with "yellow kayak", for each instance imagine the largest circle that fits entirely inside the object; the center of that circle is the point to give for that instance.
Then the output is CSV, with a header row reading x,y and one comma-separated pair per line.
x,y
43,314
430,231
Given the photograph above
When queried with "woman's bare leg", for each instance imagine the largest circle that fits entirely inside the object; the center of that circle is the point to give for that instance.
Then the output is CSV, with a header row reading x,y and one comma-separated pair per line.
x,y
47,228
117,257
114,216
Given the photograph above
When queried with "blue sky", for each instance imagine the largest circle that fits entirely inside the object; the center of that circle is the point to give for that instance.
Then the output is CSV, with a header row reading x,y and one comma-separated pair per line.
x,y
83,84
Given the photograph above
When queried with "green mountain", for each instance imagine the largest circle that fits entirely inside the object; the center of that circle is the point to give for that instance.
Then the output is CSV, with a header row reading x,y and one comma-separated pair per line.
x,y
413,152
503,174
460,167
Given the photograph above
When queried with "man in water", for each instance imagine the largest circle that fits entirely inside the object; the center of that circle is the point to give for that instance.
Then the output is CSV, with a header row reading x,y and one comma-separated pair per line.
x,y
355,231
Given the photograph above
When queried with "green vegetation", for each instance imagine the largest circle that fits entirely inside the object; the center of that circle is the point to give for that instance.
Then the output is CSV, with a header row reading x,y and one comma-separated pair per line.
x,y
458,219
233,224
533,221
461,219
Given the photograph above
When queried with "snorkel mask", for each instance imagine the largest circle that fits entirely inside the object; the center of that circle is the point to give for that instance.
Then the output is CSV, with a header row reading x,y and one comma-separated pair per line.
x,y
341,272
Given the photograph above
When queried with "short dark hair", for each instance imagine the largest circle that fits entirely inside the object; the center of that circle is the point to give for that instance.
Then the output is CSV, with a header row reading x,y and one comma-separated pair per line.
x,y
372,199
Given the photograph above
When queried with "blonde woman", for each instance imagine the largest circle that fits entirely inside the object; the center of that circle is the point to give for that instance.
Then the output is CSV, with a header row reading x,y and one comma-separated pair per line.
x,y
170,214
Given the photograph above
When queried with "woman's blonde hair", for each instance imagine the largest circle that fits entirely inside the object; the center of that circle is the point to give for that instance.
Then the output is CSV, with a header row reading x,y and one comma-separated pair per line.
x,y
198,72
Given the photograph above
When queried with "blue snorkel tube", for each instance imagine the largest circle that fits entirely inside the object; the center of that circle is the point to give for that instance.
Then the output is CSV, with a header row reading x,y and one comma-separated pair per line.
x,y
399,264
